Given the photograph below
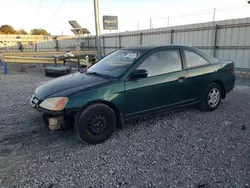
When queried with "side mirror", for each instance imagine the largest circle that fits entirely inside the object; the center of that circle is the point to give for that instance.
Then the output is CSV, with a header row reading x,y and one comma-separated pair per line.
x,y
140,73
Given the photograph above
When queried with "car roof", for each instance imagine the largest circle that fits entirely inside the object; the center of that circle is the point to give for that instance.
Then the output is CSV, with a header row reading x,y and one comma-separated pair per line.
x,y
151,47
145,49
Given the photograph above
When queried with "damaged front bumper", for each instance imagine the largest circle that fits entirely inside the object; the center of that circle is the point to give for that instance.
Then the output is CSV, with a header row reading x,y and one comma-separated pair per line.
x,y
54,120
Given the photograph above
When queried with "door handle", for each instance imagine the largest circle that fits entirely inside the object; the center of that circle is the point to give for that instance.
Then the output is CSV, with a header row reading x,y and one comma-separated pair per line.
x,y
181,79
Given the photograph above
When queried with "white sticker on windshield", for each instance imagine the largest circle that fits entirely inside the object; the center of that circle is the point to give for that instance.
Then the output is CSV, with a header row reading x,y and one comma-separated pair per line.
x,y
131,55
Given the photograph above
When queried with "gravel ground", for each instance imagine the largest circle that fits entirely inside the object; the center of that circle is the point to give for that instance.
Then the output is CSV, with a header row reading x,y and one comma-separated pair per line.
x,y
185,148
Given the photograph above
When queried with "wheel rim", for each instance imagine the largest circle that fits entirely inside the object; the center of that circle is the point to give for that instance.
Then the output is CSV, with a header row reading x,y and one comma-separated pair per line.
x,y
213,97
97,124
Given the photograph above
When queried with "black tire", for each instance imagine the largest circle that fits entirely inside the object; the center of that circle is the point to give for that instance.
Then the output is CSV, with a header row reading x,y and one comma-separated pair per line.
x,y
205,105
96,123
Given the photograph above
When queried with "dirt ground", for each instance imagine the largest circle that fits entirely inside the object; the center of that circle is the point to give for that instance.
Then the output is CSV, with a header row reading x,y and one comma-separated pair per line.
x,y
185,148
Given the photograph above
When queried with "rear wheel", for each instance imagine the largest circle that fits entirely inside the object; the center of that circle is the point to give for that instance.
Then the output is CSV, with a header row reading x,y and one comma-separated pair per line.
x,y
96,123
212,98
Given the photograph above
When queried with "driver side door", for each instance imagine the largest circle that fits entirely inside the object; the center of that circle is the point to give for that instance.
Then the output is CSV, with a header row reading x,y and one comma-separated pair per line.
x,y
164,87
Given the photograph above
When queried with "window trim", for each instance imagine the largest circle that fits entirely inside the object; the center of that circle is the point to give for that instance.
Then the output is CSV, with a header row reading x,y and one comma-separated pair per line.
x,y
185,59
155,51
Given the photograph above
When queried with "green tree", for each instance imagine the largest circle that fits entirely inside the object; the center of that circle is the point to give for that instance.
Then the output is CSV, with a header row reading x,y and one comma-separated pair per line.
x,y
21,32
39,31
7,29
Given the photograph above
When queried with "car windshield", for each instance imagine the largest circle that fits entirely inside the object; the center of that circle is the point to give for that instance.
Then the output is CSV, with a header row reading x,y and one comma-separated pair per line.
x,y
114,64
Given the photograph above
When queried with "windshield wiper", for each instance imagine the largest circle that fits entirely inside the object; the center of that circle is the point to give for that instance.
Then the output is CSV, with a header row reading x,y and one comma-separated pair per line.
x,y
98,74
93,73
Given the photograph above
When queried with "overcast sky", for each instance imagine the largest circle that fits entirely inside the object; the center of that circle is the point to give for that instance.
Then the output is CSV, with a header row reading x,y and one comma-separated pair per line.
x,y
47,14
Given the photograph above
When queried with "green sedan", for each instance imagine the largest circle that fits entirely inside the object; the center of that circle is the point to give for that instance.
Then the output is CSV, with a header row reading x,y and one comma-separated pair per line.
x,y
130,83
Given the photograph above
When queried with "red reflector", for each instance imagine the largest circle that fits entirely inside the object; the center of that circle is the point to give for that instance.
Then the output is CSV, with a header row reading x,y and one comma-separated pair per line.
x,y
233,71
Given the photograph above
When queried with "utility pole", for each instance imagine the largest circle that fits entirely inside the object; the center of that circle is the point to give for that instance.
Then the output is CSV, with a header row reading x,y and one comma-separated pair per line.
x,y
214,15
214,38
97,28
150,22
138,25
168,21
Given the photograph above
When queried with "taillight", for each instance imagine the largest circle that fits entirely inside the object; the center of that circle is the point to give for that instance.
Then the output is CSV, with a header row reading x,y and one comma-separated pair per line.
x,y
233,71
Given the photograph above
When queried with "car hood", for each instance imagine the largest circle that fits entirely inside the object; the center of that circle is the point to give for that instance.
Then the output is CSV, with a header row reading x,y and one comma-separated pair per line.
x,y
69,83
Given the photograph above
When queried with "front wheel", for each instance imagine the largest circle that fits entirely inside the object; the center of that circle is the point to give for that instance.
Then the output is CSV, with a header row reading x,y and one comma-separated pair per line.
x,y
96,123
212,98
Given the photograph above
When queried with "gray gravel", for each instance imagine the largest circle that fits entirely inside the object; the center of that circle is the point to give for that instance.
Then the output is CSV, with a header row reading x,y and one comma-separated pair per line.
x,y
185,148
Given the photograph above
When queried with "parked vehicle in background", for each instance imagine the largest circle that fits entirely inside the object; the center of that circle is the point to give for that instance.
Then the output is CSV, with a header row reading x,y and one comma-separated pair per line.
x,y
133,82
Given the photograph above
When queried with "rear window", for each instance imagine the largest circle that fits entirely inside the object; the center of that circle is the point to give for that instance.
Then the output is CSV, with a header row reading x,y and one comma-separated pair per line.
x,y
194,60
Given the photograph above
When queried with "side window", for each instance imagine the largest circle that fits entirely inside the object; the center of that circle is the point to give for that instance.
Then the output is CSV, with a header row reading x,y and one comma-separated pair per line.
x,y
162,62
194,60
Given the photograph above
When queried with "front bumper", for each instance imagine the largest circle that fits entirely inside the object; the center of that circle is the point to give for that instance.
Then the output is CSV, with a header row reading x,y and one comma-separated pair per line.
x,y
54,120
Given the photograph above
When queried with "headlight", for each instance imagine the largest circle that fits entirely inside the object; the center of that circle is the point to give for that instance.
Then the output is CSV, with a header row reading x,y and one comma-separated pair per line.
x,y
56,103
